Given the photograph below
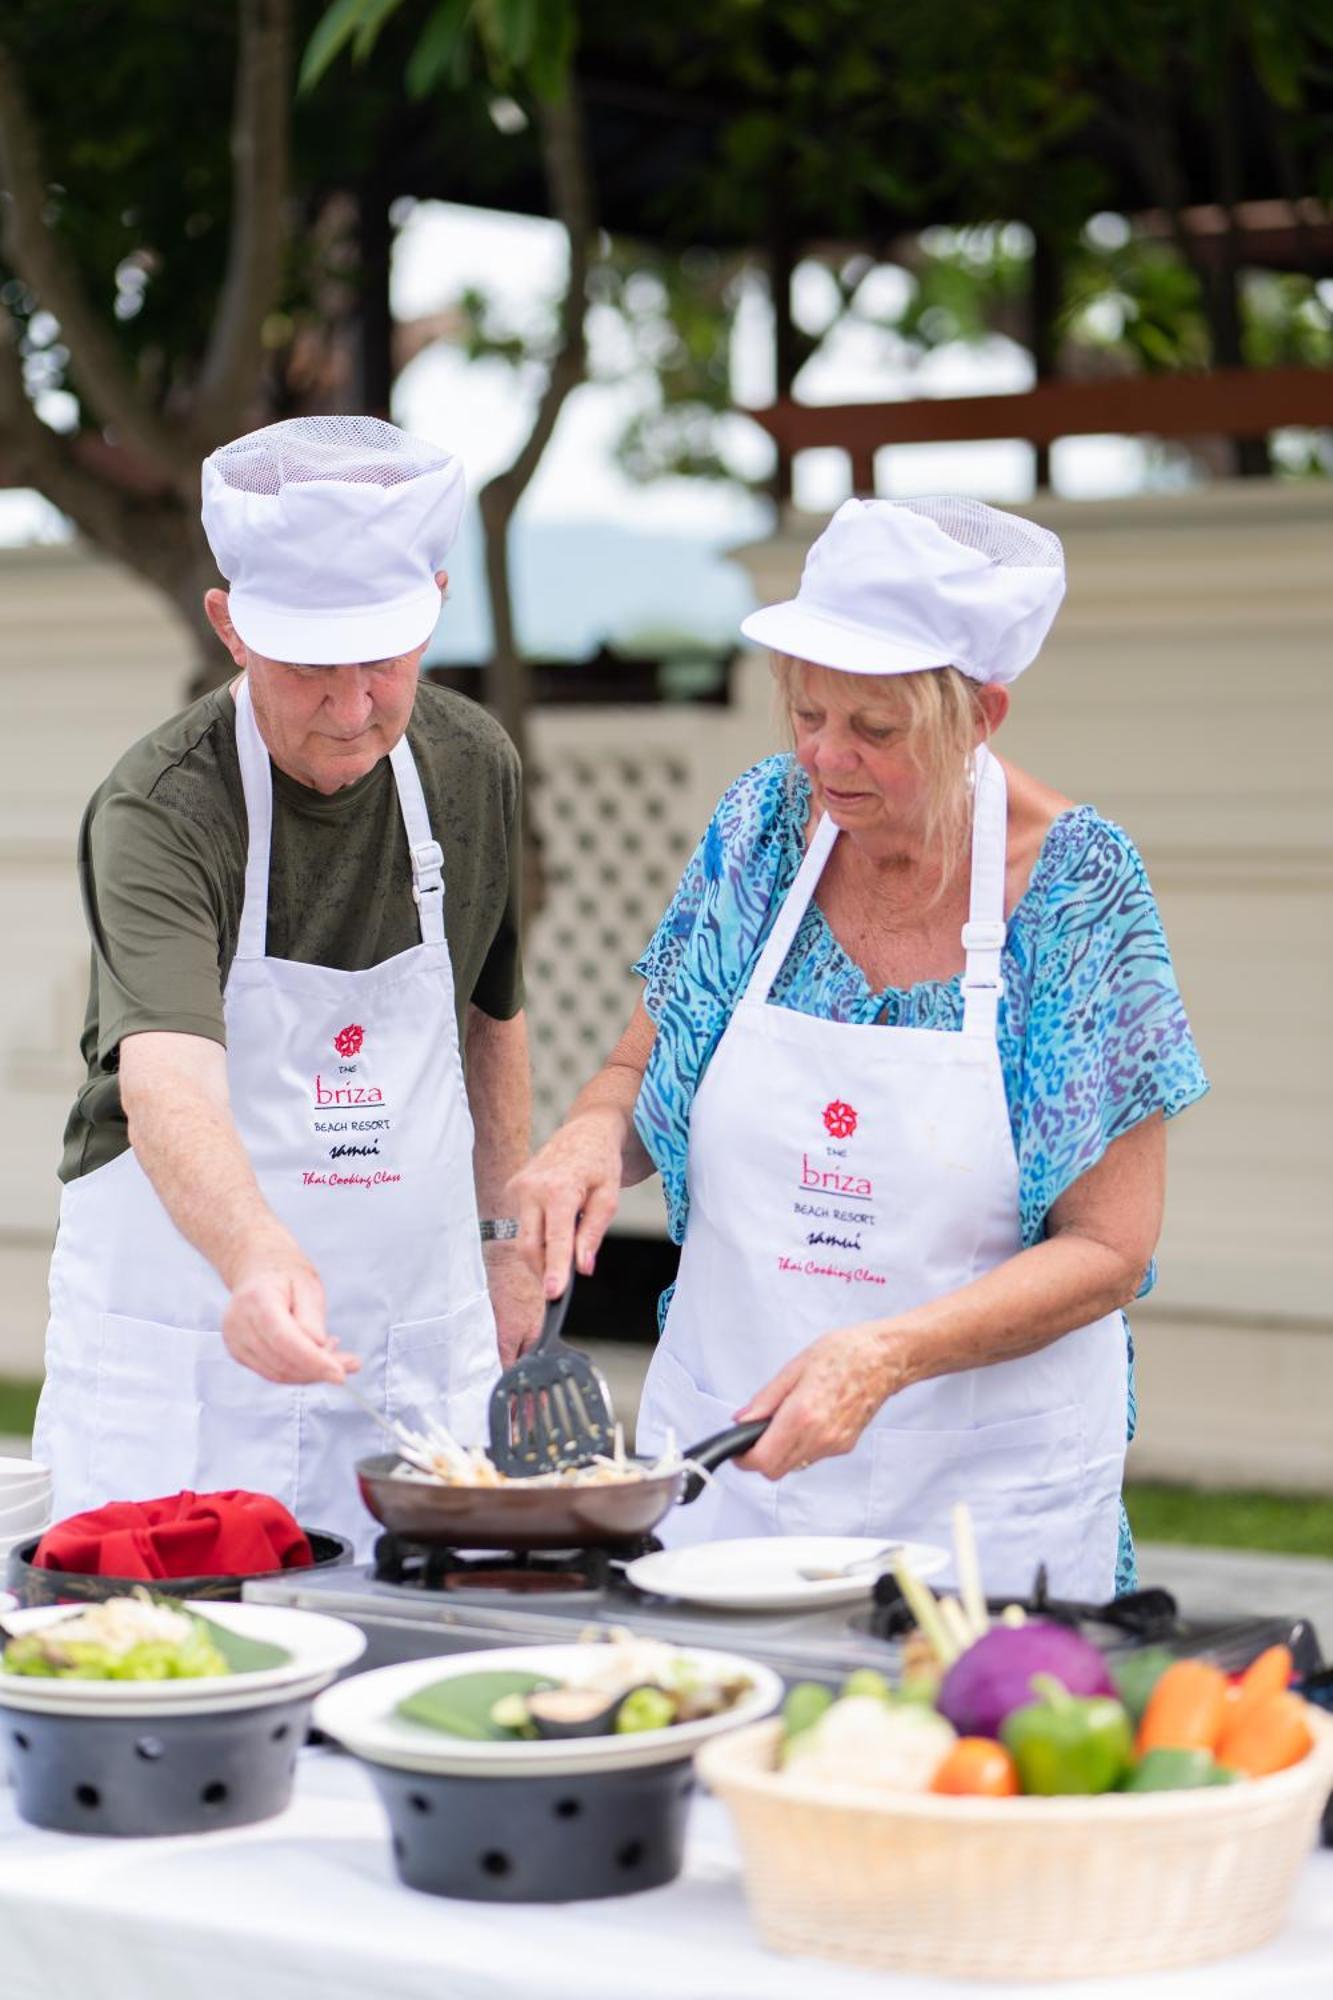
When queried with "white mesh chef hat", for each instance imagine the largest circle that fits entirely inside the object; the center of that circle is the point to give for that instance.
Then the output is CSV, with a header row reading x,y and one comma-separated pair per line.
x,y
891,587
330,531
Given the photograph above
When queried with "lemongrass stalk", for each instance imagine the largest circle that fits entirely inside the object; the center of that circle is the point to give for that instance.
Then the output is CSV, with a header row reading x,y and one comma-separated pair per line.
x,y
926,1612
969,1570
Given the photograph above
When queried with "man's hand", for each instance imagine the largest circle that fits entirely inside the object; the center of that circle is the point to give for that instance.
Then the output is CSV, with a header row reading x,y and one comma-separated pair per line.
x,y
174,1089
821,1402
274,1323
516,1299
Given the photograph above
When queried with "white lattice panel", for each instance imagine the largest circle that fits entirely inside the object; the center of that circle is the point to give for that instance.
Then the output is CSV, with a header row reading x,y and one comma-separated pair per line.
x,y
620,797
616,829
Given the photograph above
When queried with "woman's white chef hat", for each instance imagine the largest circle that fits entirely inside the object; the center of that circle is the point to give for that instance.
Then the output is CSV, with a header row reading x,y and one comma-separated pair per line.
x,y
891,587
329,531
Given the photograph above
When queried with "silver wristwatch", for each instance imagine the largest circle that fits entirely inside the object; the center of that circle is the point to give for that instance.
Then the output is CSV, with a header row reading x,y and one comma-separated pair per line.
x,y
498,1228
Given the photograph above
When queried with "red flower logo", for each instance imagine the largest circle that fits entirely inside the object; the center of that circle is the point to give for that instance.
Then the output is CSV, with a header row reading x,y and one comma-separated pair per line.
x,y
839,1119
348,1043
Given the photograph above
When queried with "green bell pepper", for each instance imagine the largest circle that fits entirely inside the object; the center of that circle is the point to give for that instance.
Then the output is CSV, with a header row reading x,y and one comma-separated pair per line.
x,y
1064,1743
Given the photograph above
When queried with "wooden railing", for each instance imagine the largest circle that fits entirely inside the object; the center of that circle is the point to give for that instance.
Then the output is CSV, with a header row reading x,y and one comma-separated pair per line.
x,y
1227,402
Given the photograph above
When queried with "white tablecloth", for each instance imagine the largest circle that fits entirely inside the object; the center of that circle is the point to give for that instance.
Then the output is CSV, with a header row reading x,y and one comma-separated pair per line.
x,y
307,1907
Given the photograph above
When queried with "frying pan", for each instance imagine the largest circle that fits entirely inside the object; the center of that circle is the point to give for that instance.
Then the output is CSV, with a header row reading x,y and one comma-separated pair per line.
x,y
523,1516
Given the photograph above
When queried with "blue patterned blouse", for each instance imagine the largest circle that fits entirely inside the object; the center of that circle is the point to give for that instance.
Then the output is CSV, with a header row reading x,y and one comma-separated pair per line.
x,y
1092,1031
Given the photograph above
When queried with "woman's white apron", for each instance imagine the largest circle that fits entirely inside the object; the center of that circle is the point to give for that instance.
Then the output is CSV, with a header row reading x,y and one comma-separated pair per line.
x,y
347,1091
847,1172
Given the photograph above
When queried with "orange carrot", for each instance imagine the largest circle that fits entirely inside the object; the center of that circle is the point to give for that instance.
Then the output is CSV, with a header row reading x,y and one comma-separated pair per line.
x,y
1268,1737
1266,1675
1186,1710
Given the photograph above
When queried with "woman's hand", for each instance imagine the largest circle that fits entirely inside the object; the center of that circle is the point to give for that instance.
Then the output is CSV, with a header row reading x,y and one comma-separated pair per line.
x,y
822,1400
567,1194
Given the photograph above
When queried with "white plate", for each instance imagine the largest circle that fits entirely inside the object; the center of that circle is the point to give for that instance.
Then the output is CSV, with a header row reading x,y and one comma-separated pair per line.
x,y
320,1647
359,1714
763,1574
207,1697
24,1515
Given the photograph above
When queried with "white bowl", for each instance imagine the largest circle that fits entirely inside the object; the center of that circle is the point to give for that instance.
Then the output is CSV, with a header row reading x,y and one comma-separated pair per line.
x,y
13,1491
23,1513
17,1474
360,1714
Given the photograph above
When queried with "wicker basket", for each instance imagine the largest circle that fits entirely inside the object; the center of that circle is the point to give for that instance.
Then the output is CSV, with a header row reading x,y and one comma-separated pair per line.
x,y
1016,1888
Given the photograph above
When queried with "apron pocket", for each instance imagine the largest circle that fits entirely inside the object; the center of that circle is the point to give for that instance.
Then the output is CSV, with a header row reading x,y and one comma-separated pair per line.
x,y
1022,1479
833,1497
732,1503
444,1368
146,1422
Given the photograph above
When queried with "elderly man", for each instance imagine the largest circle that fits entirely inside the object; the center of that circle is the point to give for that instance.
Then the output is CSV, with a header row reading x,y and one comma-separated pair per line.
x,y
307,1060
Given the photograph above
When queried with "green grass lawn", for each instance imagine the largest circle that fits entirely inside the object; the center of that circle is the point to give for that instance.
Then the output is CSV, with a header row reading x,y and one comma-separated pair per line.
x,y
1280,1523
18,1401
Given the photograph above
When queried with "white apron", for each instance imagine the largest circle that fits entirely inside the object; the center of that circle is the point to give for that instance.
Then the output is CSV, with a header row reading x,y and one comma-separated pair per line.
x,y
847,1172
347,1091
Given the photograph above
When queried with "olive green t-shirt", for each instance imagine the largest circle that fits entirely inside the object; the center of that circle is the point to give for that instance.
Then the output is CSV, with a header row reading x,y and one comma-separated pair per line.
x,y
162,854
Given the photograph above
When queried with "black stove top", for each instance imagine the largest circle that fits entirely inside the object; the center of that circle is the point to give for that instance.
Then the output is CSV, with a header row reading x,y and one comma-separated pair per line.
x,y
582,1572
1149,1617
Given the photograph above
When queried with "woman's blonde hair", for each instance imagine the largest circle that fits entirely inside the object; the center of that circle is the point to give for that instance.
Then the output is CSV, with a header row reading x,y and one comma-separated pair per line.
x,y
942,712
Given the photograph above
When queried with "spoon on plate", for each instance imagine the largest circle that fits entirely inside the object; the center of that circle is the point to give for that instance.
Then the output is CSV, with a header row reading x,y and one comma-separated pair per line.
x,y
828,1572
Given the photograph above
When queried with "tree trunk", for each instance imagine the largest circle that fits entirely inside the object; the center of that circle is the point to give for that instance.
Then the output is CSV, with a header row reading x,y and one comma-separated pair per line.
x,y
1043,340
506,679
781,263
375,316
569,182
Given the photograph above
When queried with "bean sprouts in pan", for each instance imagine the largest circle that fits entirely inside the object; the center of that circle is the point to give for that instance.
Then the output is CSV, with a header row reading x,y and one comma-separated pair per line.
x,y
434,1457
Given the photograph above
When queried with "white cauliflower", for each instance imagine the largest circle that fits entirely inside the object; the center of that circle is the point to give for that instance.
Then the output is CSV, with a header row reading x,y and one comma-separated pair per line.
x,y
873,1745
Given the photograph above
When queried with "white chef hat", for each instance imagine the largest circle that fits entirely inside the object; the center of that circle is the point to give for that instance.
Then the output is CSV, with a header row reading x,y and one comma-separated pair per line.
x,y
330,531
891,587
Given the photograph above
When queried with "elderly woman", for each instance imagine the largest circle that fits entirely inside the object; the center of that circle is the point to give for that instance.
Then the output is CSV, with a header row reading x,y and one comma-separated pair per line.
x,y
909,1038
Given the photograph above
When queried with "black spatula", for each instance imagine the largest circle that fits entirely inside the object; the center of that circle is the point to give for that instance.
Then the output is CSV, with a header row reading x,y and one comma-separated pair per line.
x,y
551,1409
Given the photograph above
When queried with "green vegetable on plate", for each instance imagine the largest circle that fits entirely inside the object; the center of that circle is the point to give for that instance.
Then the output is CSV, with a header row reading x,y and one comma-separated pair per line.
x,y
644,1708
465,1705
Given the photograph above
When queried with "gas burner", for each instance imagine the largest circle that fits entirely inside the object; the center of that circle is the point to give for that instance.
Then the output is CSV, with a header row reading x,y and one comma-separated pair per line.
x,y
533,1573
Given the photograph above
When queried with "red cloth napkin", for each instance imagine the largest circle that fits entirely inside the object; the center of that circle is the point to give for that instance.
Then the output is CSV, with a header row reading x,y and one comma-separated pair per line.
x,y
185,1534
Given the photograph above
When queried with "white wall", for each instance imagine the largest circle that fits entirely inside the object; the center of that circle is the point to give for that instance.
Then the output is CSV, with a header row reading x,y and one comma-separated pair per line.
x,y
1188,692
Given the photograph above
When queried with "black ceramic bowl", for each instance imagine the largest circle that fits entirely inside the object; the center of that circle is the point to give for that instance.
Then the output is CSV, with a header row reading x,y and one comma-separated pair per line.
x,y
33,1586
130,1776
537,1840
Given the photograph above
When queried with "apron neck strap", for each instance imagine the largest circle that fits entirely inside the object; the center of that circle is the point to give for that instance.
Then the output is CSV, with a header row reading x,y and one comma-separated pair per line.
x,y
257,784
424,850
794,906
984,931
